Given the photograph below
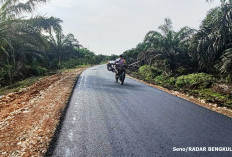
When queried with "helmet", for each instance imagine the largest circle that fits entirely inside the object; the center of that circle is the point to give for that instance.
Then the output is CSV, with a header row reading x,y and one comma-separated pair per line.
x,y
120,56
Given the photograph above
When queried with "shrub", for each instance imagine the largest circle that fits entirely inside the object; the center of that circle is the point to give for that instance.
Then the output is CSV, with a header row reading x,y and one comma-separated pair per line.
x,y
73,63
4,79
181,70
165,81
38,70
160,80
172,81
3,71
212,96
149,72
229,78
197,81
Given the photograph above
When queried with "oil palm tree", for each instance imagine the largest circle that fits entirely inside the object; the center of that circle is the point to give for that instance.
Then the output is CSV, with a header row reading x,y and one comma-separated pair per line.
x,y
21,37
169,45
213,40
222,1
62,45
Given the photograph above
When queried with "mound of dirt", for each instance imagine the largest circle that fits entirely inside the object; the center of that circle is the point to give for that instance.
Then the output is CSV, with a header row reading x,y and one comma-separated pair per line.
x,y
28,118
223,88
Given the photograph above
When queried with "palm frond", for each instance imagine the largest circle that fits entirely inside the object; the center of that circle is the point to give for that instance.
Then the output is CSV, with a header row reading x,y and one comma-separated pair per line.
x,y
225,66
167,26
16,7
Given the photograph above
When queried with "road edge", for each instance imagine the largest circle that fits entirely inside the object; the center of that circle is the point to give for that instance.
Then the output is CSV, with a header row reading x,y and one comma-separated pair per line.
x,y
53,142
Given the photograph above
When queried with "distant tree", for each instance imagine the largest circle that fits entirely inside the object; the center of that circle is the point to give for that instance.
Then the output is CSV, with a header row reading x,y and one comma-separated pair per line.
x,y
62,46
222,1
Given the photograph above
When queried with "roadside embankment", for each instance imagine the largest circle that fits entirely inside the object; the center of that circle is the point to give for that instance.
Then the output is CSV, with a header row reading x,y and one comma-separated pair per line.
x,y
28,118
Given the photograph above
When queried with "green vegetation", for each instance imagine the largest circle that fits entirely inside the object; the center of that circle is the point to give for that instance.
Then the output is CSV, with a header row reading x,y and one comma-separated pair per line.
x,y
196,84
33,46
189,60
194,81
165,81
149,72
18,85
212,96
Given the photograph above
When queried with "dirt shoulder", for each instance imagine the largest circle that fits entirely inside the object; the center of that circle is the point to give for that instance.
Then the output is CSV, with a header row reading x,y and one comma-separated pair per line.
x,y
28,118
214,107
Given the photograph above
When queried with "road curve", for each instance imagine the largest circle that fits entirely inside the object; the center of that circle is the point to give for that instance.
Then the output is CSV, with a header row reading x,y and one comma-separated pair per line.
x,y
107,119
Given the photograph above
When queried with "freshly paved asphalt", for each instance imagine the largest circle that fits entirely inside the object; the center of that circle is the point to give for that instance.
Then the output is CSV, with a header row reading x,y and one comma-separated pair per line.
x,y
107,119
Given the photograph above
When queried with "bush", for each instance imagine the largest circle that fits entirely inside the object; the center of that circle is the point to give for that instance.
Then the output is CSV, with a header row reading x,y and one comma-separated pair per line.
x,y
172,81
4,78
181,70
149,72
160,80
73,63
165,81
4,72
197,81
214,97
229,78
38,70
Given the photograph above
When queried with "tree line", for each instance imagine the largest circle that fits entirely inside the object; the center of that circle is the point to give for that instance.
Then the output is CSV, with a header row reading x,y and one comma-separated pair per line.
x,y
35,45
187,50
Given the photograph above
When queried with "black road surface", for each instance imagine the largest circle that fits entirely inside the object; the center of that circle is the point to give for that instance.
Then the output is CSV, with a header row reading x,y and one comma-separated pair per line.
x,y
107,119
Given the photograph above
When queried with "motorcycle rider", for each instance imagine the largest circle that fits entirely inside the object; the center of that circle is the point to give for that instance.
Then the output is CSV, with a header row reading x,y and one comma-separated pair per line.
x,y
121,61
120,65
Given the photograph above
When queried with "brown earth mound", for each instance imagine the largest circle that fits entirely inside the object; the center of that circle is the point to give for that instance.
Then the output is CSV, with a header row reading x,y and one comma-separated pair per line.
x,y
28,118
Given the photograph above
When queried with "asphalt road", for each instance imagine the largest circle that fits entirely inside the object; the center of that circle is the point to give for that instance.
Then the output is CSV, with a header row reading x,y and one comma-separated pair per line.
x,y
107,119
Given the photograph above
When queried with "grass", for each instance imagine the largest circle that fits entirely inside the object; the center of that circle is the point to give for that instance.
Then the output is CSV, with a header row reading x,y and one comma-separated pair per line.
x,y
29,81
21,84
78,66
211,96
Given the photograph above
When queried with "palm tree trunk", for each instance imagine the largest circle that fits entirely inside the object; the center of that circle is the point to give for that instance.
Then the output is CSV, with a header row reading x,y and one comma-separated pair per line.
x,y
9,70
59,64
8,65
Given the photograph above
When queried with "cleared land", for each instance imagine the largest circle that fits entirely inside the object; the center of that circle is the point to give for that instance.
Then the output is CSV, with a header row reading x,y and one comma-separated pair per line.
x,y
28,118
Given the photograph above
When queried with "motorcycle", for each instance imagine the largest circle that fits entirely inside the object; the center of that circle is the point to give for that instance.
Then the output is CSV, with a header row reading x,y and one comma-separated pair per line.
x,y
120,71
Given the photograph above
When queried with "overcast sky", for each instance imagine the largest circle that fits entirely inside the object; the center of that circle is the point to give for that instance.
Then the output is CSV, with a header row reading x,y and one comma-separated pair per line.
x,y
113,26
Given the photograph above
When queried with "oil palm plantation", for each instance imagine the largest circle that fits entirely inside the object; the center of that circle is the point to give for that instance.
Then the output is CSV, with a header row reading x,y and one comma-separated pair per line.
x,y
63,46
21,40
213,41
169,46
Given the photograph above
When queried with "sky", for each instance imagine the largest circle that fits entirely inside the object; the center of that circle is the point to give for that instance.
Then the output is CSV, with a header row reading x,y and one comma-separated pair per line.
x,y
114,26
